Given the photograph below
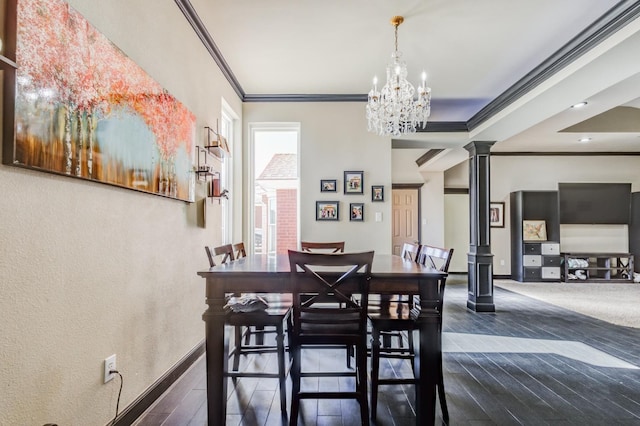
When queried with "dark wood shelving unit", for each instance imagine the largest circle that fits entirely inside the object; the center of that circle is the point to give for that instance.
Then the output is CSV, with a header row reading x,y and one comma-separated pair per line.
x,y
535,260
598,267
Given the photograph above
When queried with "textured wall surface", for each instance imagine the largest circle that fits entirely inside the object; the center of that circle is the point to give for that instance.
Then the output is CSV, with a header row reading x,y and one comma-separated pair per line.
x,y
88,270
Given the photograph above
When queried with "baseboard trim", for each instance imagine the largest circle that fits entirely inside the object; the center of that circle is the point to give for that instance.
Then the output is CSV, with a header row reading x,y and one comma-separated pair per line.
x,y
148,397
503,277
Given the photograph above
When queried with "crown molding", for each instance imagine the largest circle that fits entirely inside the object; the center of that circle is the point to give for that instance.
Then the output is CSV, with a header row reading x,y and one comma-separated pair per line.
x,y
201,30
617,17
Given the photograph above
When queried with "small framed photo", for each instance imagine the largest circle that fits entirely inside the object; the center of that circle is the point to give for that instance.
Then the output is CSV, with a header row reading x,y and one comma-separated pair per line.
x,y
327,210
377,193
534,230
356,212
354,182
496,214
328,185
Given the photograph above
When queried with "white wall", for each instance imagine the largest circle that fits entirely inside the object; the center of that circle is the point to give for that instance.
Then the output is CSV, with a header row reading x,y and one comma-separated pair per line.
x,y
89,270
456,225
333,139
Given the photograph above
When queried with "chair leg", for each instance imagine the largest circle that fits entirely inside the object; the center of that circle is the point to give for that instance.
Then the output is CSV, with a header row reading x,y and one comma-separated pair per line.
x,y
282,372
237,342
247,336
361,366
443,403
375,369
441,394
259,336
295,384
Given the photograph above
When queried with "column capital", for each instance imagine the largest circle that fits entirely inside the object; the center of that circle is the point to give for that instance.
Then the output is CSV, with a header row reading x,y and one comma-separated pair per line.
x,y
479,147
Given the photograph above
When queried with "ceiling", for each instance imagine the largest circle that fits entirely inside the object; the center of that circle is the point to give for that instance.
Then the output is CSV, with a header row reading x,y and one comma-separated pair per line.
x,y
500,70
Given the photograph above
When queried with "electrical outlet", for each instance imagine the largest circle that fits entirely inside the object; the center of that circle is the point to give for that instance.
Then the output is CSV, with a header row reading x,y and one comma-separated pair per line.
x,y
501,262
109,365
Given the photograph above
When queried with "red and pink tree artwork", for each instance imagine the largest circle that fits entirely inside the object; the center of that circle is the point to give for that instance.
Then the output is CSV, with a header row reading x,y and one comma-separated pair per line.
x,y
85,109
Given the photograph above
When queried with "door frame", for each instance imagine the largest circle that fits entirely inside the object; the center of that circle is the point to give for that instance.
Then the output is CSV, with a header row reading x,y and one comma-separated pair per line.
x,y
418,188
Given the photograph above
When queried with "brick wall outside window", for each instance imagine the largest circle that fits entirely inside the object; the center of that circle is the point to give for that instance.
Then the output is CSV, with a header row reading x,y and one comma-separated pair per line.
x,y
287,220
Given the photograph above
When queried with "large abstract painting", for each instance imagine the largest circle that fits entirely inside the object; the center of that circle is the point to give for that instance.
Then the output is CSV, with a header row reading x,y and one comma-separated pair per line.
x,y
85,109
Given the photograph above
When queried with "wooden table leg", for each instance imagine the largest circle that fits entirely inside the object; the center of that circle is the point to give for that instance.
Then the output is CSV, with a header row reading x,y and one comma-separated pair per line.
x,y
217,351
427,350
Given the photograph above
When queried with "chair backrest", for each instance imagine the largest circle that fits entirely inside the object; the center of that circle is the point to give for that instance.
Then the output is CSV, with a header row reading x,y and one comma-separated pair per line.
x,y
226,251
410,251
239,251
321,306
210,256
435,257
439,259
334,247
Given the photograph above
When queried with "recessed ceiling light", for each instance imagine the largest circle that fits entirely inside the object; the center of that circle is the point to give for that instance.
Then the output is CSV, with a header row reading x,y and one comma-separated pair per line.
x,y
584,140
579,105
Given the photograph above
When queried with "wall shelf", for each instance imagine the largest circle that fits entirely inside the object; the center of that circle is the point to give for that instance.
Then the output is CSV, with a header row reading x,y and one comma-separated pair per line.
x,y
205,170
216,144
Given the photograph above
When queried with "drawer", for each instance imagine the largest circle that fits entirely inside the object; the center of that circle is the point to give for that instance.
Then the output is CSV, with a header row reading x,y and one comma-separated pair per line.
x,y
550,248
551,261
530,248
532,260
532,274
550,273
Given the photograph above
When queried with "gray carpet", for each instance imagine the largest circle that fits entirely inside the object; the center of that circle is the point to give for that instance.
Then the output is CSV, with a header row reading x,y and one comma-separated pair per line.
x,y
616,303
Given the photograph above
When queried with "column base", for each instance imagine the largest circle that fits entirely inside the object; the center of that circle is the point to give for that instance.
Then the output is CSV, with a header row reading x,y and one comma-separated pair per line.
x,y
481,307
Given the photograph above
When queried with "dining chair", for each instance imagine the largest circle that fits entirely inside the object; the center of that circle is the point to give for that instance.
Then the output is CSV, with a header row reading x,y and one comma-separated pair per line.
x,y
271,320
326,247
409,252
401,318
325,315
239,250
257,332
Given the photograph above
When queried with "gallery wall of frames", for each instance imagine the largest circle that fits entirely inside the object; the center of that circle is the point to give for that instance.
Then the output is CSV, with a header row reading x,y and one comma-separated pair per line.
x,y
353,184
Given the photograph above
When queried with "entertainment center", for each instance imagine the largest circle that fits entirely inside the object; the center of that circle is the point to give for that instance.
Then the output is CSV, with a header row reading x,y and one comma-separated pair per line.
x,y
536,217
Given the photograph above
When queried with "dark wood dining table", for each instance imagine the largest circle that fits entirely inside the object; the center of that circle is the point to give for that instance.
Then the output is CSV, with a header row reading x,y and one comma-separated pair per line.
x,y
390,274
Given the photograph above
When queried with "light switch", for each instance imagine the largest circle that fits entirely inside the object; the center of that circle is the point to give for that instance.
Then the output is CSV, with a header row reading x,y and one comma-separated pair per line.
x,y
378,216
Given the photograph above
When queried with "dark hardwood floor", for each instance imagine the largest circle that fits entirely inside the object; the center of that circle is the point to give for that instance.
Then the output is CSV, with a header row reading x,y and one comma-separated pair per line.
x,y
530,363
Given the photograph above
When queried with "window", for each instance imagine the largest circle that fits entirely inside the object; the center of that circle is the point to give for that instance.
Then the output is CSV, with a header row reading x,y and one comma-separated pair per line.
x,y
274,179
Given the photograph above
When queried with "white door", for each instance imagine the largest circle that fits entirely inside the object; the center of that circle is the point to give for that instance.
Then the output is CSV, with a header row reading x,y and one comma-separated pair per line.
x,y
406,222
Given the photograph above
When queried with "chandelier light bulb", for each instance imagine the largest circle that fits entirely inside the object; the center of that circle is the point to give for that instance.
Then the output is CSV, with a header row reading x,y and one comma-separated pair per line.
x,y
398,108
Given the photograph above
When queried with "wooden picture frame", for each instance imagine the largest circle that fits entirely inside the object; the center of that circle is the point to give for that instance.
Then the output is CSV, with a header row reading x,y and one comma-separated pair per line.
x,y
328,185
354,182
328,210
534,230
377,193
356,212
496,214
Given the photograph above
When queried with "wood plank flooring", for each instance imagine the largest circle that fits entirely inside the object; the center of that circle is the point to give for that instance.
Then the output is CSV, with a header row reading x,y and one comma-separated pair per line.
x,y
530,363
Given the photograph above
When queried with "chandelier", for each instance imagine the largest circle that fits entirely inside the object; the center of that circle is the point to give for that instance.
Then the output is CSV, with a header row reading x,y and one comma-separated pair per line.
x,y
396,109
